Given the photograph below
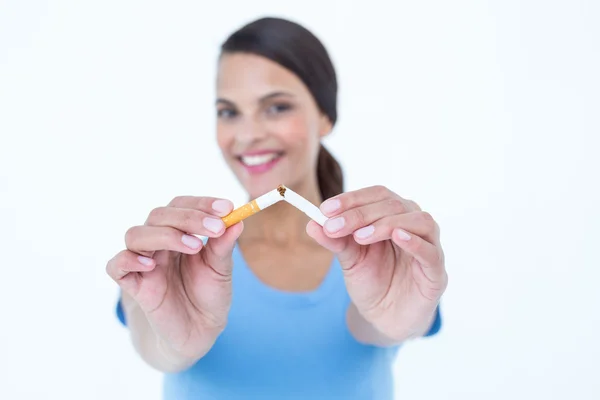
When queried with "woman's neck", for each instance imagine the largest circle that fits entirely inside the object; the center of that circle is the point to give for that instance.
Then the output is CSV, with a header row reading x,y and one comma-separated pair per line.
x,y
282,224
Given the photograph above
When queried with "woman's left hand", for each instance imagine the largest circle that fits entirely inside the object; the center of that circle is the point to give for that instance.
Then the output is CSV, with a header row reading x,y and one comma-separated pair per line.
x,y
391,257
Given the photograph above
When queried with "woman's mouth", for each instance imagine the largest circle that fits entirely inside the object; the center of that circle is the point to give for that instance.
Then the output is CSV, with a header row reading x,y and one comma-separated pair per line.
x,y
260,163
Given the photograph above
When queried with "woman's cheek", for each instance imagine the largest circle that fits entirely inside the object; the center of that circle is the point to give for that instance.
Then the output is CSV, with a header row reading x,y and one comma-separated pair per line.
x,y
224,138
292,130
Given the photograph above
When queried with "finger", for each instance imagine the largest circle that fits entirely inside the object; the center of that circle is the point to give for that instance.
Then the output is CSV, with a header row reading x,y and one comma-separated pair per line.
x,y
121,266
146,239
348,200
210,205
428,255
358,217
218,251
187,220
439,282
419,223
125,262
346,250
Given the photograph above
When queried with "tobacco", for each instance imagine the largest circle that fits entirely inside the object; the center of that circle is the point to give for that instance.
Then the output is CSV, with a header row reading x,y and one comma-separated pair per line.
x,y
281,190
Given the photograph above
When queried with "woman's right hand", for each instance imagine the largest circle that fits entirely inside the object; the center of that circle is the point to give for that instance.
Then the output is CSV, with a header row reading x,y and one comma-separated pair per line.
x,y
182,287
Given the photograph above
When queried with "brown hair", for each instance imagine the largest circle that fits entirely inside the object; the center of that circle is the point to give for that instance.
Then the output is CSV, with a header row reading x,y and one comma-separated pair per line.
x,y
329,174
295,48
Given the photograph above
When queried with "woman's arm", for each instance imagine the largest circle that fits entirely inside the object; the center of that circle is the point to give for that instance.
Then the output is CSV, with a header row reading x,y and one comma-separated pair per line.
x,y
152,349
366,333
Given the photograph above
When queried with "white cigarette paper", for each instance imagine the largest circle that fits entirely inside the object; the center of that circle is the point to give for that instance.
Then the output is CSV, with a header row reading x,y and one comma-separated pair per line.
x,y
281,193
268,199
304,205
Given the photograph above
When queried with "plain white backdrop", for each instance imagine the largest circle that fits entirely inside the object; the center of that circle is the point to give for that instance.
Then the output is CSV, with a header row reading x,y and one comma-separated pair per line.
x,y
484,112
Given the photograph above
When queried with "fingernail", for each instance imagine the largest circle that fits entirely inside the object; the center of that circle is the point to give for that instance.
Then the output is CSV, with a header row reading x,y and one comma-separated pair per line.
x,y
191,241
365,232
331,206
212,224
402,235
223,207
145,261
334,225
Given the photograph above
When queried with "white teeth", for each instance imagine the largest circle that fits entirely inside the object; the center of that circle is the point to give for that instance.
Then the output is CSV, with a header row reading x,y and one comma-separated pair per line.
x,y
253,161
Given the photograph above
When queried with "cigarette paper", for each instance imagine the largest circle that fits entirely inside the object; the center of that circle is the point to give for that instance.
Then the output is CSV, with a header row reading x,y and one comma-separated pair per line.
x,y
268,199
251,208
304,205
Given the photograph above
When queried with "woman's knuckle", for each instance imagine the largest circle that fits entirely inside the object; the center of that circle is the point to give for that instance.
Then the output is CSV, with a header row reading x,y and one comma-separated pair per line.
x,y
397,206
359,217
413,206
110,266
187,218
130,234
115,263
380,190
177,200
427,219
416,245
166,235
427,216
204,202
156,213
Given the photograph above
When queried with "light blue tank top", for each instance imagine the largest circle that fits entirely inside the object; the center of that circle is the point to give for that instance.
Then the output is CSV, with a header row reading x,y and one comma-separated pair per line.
x,y
282,345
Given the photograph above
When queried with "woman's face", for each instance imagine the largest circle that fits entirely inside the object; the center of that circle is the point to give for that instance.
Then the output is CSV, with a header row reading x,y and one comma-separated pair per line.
x,y
269,127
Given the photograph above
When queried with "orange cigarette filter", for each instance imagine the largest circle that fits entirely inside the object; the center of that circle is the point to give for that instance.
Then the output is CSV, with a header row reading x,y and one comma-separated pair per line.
x,y
241,213
256,205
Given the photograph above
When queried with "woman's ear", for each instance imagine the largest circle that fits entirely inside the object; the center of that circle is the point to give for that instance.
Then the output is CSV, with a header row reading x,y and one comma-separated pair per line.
x,y
325,126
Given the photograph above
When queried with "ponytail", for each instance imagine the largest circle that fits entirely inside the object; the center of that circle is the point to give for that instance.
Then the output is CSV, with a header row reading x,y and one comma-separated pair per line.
x,y
329,175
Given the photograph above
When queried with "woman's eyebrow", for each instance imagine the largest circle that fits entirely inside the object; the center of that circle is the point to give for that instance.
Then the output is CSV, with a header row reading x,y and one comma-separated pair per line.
x,y
263,99
275,94
225,101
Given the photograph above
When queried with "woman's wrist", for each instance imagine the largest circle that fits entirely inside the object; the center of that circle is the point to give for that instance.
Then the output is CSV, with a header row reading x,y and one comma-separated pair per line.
x,y
368,333
151,347
170,361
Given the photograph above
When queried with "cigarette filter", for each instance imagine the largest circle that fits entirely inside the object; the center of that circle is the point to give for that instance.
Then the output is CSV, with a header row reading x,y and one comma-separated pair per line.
x,y
251,208
270,198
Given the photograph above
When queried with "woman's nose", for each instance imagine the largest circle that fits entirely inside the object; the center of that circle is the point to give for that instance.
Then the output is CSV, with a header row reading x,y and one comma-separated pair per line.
x,y
250,131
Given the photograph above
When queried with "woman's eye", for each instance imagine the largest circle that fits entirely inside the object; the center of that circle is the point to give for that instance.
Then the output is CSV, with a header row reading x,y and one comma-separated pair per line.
x,y
226,113
278,108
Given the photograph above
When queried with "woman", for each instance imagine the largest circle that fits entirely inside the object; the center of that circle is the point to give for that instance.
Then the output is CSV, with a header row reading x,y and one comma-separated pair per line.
x,y
277,306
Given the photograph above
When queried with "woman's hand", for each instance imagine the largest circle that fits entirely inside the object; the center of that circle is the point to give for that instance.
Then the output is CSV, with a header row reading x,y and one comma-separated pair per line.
x,y
391,257
182,287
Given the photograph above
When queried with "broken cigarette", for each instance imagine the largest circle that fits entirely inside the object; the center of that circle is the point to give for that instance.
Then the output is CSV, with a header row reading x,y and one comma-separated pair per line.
x,y
305,206
270,198
251,208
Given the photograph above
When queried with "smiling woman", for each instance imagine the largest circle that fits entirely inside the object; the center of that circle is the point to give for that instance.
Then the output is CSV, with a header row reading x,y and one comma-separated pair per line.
x,y
279,306
268,121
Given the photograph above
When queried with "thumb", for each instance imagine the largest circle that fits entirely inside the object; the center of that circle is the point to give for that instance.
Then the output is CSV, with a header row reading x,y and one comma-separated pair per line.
x,y
345,248
218,251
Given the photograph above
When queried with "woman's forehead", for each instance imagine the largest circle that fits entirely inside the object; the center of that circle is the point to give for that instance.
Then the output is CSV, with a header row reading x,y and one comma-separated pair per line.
x,y
248,73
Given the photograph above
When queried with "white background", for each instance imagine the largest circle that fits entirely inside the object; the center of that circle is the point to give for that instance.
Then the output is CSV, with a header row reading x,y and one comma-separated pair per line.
x,y
106,111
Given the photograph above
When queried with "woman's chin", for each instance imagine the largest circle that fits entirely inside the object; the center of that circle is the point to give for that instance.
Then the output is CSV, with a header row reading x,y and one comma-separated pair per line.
x,y
257,186
258,189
